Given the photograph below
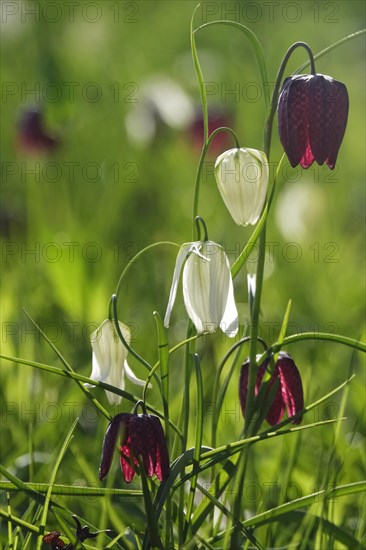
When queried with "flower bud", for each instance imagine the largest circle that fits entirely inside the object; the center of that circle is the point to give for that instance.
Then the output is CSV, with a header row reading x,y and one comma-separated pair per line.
x,y
242,178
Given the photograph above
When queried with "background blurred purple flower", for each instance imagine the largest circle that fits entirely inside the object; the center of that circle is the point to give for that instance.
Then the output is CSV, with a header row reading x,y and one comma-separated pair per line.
x,y
32,134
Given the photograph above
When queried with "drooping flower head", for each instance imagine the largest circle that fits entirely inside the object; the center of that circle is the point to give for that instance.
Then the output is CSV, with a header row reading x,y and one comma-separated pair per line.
x,y
289,395
207,288
110,358
140,435
312,119
242,178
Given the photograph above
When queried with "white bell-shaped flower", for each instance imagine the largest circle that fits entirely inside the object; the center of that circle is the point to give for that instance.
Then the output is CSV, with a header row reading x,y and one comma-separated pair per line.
x,y
207,288
242,178
109,362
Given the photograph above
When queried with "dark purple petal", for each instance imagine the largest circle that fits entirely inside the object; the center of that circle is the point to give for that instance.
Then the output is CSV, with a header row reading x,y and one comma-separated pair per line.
x,y
293,119
143,442
291,387
289,394
151,446
277,408
328,101
128,471
162,457
318,91
243,386
141,436
115,427
338,114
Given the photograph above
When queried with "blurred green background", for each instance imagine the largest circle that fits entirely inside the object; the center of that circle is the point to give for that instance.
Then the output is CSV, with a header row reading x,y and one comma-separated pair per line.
x,y
117,88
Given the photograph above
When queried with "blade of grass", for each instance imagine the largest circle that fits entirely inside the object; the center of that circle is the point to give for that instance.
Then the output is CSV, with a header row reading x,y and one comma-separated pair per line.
x,y
197,444
70,490
84,379
47,500
18,521
330,48
68,367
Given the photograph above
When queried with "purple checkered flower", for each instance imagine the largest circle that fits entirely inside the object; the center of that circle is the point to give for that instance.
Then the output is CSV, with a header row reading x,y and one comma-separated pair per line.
x,y
289,395
312,119
140,435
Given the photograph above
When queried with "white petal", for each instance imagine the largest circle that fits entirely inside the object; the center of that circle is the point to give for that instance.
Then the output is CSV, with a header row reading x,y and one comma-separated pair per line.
x,y
252,284
109,355
208,291
229,323
195,281
184,250
242,179
101,351
130,375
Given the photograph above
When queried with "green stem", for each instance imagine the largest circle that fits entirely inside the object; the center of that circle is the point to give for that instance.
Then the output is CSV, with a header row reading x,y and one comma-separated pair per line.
x,y
275,94
216,387
197,185
152,527
315,336
189,351
133,261
122,338
200,80
254,327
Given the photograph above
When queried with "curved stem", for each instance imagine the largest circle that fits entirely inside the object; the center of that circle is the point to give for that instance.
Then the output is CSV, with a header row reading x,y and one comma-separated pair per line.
x,y
200,80
205,233
257,50
122,338
216,386
250,426
275,94
330,48
199,171
324,336
134,260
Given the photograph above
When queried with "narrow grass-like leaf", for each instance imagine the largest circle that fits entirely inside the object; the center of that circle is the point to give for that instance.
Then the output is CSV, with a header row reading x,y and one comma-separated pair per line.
x,y
10,527
138,255
197,444
324,336
18,521
163,352
20,485
257,50
330,48
153,538
247,250
84,379
283,511
70,490
51,482
69,368
283,329
228,514
220,454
